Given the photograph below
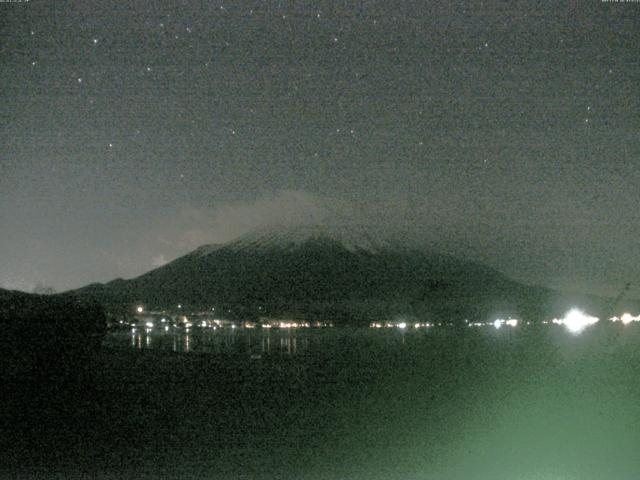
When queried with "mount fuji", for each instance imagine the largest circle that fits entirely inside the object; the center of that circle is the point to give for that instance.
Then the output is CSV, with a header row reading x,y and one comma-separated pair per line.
x,y
346,273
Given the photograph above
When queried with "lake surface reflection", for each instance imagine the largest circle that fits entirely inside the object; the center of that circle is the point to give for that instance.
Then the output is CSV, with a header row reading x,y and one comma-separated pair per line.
x,y
252,342
437,403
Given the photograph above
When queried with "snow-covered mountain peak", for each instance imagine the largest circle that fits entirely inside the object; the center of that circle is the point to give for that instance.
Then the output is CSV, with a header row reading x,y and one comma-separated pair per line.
x,y
354,239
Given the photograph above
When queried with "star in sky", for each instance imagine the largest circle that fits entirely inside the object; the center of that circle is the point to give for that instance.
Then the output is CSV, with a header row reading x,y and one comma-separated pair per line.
x,y
241,102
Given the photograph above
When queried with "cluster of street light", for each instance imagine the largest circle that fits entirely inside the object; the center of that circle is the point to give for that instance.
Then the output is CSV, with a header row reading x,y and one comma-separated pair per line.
x,y
401,325
574,320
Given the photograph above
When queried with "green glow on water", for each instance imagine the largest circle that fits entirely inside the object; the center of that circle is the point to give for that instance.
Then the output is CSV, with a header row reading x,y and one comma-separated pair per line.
x,y
508,403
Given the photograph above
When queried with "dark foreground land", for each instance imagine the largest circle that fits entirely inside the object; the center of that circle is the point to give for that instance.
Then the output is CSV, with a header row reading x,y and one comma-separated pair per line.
x,y
450,404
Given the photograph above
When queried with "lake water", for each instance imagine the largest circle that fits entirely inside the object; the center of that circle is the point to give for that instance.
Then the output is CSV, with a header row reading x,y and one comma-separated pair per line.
x,y
251,342
258,342
442,403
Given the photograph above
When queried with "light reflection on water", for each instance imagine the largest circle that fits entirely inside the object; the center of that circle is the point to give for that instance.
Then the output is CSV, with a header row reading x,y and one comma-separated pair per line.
x,y
258,342
254,343
291,342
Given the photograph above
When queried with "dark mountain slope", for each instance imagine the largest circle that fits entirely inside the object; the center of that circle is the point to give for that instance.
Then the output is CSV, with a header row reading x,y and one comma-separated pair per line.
x,y
318,272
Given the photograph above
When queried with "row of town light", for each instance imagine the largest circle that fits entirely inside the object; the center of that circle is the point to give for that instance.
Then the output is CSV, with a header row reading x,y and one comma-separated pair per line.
x,y
574,320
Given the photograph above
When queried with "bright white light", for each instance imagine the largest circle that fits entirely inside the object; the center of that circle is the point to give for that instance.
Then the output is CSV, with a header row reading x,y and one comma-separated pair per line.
x,y
163,320
497,323
149,324
576,320
627,318
140,309
512,322
402,325
166,329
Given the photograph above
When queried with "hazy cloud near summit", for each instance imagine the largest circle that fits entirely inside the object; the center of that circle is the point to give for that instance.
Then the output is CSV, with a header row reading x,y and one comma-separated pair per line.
x,y
286,207
225,222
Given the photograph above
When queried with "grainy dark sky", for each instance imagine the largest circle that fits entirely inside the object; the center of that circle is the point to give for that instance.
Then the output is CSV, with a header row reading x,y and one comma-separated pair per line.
x,y
133,131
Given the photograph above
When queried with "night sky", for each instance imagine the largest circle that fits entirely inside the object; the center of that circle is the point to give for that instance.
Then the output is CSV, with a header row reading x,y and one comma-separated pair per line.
x,y
133,132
